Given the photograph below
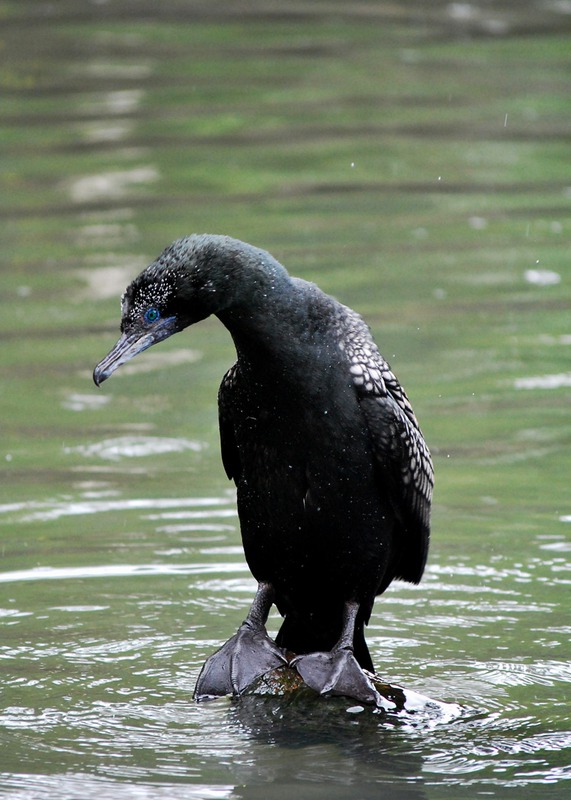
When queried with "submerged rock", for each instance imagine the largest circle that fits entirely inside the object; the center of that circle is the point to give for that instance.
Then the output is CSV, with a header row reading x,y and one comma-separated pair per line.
x,y
287,683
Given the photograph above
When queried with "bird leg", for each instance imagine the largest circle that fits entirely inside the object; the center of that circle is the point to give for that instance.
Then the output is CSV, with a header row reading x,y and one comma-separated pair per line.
x,y
338,671
249,654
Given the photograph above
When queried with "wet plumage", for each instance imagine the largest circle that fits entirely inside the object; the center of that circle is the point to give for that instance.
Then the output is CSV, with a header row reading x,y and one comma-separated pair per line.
x,y
334,479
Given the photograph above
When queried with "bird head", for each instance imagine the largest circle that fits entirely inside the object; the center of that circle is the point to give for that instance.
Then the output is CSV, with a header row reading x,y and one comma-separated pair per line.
x,y
162,300
193,278
148,316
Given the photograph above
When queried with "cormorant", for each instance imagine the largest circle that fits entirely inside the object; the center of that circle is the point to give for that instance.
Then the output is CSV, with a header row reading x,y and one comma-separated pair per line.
x,y
334,479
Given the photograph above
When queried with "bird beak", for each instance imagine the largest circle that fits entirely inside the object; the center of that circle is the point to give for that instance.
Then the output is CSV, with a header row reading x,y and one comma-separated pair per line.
x,y
130,345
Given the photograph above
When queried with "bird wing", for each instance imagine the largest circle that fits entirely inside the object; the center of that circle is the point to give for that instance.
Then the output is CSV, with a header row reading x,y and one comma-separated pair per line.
x,y
402,457
228,448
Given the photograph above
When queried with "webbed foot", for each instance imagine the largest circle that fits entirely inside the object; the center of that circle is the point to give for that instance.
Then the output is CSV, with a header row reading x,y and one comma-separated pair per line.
x,y
336,673
248,655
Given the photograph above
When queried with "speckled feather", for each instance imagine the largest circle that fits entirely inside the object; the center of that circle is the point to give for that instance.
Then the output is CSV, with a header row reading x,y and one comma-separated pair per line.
x,y
398,443
155,290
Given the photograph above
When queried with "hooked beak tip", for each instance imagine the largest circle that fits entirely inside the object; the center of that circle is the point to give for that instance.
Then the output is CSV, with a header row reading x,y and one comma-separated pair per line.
x,y
98,376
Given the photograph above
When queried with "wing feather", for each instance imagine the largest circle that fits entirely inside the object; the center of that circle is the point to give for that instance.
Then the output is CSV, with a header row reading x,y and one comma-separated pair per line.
x,y
228,448
402,456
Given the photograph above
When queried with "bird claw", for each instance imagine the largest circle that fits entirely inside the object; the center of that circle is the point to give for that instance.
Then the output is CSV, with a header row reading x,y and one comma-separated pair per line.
x,y
244,658
336,673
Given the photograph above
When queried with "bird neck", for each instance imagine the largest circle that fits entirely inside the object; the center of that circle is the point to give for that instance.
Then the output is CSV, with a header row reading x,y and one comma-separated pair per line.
x,y
285,330
262,322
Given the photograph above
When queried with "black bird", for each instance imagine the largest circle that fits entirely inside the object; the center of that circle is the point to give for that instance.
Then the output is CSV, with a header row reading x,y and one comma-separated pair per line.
x,y
333,476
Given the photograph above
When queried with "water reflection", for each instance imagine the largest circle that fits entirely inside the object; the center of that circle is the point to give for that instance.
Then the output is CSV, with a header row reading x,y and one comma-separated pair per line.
x,y
329,751
45,787
113,234
115,571
558,381
85,402
53,510
97,132
134,447
115,103
104,185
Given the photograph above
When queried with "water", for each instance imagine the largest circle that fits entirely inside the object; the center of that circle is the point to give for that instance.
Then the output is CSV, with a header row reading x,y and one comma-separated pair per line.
x,y
414,162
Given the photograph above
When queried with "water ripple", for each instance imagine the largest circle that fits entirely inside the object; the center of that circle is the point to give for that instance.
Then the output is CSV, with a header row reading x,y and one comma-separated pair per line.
x,y
135,447
118,571
52,510
23,786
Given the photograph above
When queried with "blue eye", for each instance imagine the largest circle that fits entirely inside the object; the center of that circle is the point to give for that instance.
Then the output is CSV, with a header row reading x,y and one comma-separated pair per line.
x,y
152,315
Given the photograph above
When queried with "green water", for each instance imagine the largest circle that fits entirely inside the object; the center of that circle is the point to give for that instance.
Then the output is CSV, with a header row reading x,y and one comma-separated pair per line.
x,y
411,158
